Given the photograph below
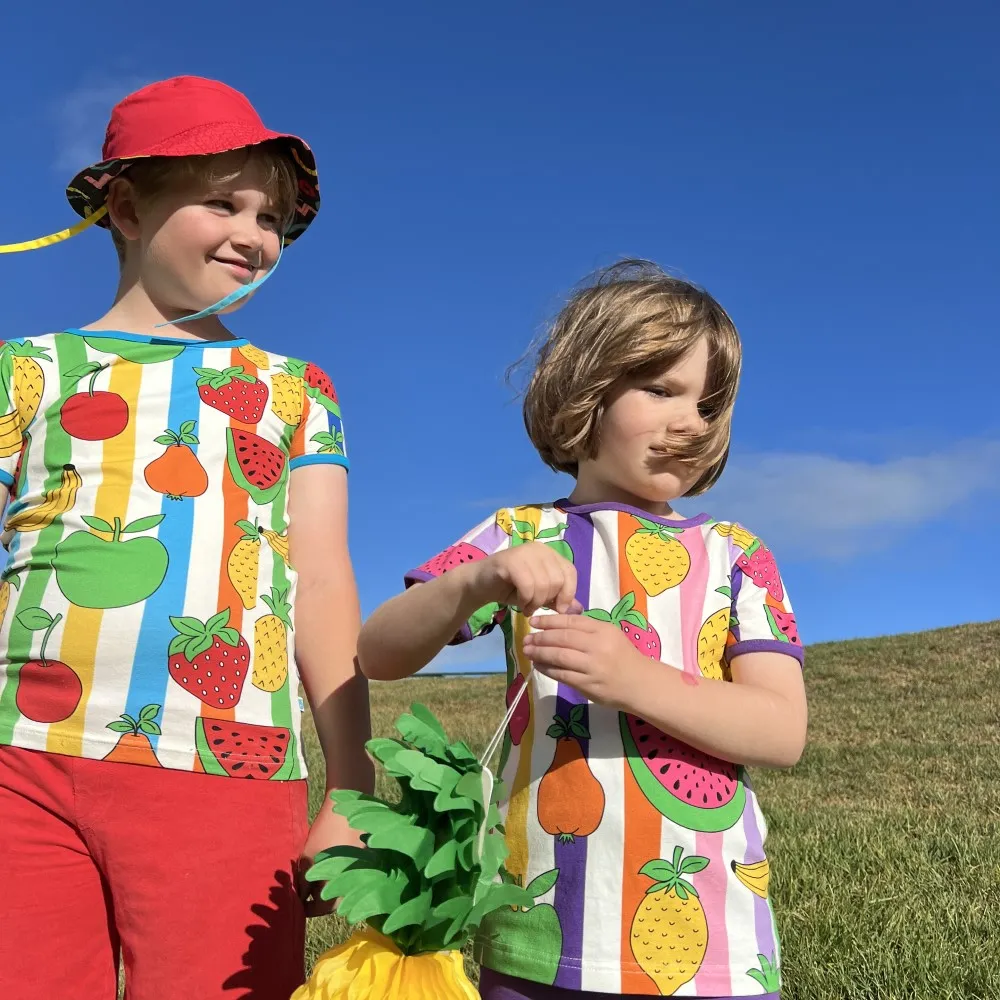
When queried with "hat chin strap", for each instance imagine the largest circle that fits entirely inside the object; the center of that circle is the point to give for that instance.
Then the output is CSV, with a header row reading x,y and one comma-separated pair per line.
x,y
63,234
231,299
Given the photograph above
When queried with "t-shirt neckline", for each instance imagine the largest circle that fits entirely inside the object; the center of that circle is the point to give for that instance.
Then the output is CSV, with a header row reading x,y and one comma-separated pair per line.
x,y
143,338
670,522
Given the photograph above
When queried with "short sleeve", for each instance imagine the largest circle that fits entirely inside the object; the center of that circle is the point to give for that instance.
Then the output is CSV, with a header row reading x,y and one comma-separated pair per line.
x,y
762,616
486,539
319,438
11,438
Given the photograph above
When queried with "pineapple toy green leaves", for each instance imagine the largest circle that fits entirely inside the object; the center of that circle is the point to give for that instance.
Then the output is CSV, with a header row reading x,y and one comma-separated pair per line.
x,y
421,878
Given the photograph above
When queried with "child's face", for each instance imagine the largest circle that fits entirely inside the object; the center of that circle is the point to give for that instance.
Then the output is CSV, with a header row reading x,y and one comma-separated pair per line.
x,y
631,465
201,243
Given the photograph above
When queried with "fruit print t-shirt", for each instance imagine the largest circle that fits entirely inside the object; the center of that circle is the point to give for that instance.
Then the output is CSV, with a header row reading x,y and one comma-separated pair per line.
x,y
645,857
147,598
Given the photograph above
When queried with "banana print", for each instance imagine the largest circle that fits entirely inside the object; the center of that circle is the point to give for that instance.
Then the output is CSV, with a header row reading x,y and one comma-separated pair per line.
x,y
56,502
277,542
754,876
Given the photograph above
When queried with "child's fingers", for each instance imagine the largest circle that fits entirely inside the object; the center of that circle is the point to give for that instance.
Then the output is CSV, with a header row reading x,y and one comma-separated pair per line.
x,y
563,637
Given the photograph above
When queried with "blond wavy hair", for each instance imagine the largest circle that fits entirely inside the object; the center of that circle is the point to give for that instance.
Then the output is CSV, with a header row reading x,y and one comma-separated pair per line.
x,y
631,320
155,175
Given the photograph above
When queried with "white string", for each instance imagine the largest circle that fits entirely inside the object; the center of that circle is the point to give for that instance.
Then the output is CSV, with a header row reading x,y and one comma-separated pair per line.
x,y
498,735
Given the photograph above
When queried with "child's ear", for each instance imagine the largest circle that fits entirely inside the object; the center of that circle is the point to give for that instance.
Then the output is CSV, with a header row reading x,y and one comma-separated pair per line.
x,y
123,209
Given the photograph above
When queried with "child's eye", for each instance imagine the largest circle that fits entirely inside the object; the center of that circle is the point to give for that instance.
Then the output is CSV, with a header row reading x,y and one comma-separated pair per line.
x,y
222,203
271,221
661,392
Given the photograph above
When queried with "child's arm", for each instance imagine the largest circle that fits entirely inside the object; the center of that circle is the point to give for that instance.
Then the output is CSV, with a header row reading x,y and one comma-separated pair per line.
x,y
758,719
408,631
327,619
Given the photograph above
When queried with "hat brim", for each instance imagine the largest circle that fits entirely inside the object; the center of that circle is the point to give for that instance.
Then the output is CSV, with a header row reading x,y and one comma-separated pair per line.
x,y
88,191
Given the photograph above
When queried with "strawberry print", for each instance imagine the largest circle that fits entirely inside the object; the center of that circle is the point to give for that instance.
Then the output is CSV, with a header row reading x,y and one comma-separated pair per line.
x,y
758,564
633,623
320,387
452,558
209,659
233,392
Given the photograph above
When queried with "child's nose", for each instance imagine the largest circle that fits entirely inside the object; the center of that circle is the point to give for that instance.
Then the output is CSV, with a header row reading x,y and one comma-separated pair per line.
x,y
687,421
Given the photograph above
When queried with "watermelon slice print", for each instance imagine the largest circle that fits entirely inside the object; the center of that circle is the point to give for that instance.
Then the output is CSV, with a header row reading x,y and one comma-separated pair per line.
x,y
256,465
244,750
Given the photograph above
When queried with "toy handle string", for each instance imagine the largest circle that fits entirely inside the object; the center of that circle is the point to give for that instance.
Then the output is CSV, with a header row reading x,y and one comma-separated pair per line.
x,y
497,739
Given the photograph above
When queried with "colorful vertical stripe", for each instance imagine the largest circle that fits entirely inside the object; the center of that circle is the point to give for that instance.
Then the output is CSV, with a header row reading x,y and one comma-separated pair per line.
x,y
641,820
520,791
571,856
150,687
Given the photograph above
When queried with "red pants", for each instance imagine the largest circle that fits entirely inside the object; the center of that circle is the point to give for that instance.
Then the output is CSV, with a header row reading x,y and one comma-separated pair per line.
x,y
189,877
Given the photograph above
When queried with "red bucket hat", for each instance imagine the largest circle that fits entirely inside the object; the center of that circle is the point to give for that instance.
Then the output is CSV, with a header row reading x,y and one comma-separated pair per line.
x,y
188,116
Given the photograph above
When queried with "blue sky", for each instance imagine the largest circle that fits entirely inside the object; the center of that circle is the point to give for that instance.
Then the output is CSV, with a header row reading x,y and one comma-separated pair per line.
x,y
829,175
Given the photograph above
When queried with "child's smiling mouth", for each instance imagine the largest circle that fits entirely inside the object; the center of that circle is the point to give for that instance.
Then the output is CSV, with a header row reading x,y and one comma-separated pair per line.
x,y
241,269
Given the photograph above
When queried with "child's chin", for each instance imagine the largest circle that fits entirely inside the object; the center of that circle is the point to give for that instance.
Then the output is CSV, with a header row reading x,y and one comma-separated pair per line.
x,y
238,304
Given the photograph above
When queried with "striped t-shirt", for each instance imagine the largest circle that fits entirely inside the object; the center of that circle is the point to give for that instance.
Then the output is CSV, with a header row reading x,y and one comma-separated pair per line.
x,y
645,856
146,604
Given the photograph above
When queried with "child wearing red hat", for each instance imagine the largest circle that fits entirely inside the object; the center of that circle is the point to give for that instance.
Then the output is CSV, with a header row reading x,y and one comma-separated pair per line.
x,y
178,563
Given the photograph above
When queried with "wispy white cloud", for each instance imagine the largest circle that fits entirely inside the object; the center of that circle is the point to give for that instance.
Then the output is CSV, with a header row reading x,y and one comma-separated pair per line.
x,y
81,116
822,506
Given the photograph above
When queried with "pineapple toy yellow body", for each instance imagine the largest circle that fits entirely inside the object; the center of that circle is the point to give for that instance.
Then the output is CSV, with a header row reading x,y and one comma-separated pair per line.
x,y
669,930
657,559
270,643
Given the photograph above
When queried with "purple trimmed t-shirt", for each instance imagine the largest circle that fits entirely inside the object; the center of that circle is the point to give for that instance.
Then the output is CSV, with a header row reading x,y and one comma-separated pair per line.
x,y
644,856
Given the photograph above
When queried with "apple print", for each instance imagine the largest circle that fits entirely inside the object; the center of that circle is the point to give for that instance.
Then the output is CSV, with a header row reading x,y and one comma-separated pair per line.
x,y
95,572
93,415
47,690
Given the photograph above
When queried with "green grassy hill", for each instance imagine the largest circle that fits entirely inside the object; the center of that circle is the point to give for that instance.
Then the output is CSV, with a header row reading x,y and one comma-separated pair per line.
x,y
884,840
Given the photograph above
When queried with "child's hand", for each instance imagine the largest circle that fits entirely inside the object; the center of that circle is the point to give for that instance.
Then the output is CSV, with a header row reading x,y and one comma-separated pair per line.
x,y
594,657
328,830
528,577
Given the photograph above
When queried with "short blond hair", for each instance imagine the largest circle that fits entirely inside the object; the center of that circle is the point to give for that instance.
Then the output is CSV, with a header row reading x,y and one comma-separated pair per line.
x,y
155,175
629,321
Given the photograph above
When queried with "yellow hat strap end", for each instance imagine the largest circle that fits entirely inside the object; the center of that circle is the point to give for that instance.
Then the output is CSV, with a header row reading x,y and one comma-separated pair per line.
x,y
63,234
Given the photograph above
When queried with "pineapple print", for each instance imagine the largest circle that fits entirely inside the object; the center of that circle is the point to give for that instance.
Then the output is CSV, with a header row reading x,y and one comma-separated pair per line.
x,y
278,543
741,537
29,380
768,975
10,434
5,588
330,443
270,643
244,562
657,560
669,930
712,641
256,356
505,522
287,389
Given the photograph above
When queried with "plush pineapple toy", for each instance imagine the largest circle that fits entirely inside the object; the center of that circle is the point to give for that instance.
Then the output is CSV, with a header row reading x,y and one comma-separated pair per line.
x,y
425,877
